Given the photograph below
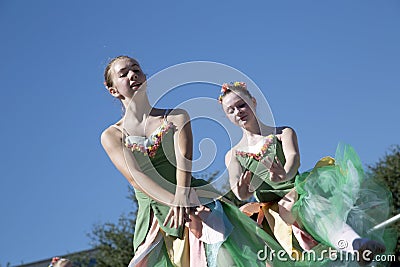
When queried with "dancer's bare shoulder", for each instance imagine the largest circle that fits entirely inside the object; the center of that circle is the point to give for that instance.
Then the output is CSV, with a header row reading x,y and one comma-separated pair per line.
x,y
284,132
111,137
179,117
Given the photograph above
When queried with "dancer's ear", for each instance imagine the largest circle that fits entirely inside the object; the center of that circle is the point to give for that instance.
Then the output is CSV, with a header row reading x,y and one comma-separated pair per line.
x,y
113,91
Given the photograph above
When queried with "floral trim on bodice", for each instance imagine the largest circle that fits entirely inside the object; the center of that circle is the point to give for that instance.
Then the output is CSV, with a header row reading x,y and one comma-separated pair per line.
x,y
264,149
150,145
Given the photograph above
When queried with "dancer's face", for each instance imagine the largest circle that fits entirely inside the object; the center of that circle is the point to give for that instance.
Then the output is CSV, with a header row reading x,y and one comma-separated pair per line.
x,y
239,108
127,77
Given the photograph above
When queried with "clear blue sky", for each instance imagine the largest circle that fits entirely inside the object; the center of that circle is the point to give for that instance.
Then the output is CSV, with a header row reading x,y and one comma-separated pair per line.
x,y
329,69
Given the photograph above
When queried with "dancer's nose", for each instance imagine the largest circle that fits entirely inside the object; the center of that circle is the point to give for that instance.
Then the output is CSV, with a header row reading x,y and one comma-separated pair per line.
x,y
132,75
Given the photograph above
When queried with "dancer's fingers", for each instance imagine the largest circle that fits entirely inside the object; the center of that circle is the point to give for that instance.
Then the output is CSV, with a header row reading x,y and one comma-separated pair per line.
x,y
197,210
174,218
274,168
205,208
168,217
180,217
267,162
187,215
247,176
278,162
201,209
241,179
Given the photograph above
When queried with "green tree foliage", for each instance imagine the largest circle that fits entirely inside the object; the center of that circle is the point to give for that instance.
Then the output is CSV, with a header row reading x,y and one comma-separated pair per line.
x,y
387,169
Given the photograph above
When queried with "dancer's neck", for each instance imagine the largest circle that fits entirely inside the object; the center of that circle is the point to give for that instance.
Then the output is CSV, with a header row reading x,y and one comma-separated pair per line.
x,y
259,129
138,108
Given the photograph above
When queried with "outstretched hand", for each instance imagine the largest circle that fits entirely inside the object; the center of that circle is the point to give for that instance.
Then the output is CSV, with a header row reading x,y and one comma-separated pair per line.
x,y
245,179
179,212
277,171
244,183
183,208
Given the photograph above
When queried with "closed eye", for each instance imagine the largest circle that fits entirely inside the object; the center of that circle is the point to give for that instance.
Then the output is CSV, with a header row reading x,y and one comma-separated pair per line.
x,y
229,110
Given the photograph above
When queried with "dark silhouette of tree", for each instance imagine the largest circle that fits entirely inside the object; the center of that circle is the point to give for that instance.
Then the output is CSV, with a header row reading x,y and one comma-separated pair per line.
x,y
387,169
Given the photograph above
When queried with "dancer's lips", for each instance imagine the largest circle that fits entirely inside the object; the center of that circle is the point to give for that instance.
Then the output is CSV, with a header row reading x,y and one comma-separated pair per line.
x,y
136,86
243,118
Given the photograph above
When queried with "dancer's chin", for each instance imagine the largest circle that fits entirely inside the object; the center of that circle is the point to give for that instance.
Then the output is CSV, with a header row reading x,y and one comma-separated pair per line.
x,y
243,123
136,87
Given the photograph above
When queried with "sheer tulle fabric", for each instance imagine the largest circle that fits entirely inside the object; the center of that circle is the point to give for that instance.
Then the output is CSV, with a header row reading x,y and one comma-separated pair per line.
x,y
337,194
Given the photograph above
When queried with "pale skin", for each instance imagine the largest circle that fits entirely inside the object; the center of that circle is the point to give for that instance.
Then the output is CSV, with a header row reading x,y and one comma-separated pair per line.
x,y
129,85
240,110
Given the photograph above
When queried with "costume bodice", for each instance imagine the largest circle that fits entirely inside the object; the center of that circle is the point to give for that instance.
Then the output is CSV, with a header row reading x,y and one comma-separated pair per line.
x,y
266,190
155,156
